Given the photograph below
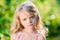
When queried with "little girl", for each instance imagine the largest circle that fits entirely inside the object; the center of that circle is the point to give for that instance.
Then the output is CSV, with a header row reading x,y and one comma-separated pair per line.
x,y
26,23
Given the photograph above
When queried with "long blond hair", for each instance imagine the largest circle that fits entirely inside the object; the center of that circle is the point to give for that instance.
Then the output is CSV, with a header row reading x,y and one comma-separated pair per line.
x,y
29,7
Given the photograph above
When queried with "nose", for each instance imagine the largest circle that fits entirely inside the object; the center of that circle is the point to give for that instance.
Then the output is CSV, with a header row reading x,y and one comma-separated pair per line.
x,y
29,20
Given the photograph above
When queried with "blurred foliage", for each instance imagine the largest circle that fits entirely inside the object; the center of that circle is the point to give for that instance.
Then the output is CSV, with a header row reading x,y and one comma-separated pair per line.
x,y
49,11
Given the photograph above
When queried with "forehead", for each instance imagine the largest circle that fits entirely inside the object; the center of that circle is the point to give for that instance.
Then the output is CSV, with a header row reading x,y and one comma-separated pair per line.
x,y
25,14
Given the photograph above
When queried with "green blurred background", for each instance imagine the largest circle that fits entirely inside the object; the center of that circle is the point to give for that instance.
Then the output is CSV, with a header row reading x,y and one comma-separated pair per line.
x,y
49,11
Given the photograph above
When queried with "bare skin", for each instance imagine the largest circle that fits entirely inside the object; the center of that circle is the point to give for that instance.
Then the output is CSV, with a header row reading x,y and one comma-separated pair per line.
x,y
27,36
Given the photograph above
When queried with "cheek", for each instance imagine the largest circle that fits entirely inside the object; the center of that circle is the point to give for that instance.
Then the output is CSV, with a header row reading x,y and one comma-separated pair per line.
x,y
23,23
34,20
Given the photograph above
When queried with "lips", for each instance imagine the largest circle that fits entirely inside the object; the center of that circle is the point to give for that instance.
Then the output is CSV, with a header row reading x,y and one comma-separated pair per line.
x,y
30,25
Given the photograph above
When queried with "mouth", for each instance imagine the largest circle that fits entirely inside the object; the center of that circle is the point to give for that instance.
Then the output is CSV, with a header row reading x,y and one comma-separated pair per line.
x,y
30,25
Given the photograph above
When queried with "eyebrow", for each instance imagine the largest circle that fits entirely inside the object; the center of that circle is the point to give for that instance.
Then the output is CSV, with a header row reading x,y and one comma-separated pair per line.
x,y
32,16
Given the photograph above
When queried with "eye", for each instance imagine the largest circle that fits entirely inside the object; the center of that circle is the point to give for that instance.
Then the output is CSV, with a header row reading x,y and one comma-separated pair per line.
x,y
24,19
32,16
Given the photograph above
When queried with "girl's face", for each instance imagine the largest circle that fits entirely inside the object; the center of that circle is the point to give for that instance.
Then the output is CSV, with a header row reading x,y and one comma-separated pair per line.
x,y
28,20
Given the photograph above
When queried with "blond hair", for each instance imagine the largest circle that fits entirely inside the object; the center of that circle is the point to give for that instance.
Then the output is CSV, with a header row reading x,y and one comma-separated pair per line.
x,y
28,7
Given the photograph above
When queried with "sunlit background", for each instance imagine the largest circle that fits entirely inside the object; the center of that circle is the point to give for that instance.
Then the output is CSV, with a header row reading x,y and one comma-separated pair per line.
x,y
49,11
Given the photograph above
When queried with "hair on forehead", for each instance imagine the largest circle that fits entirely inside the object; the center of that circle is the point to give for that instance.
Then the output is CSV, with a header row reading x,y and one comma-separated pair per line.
x,y
27,7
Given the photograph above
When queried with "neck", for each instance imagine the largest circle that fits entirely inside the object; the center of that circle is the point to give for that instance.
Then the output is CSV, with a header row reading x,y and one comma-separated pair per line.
x,y
28,30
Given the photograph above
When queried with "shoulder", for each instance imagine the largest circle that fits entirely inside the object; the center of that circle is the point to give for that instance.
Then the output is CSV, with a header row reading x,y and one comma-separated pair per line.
x,y
41,37
15,36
